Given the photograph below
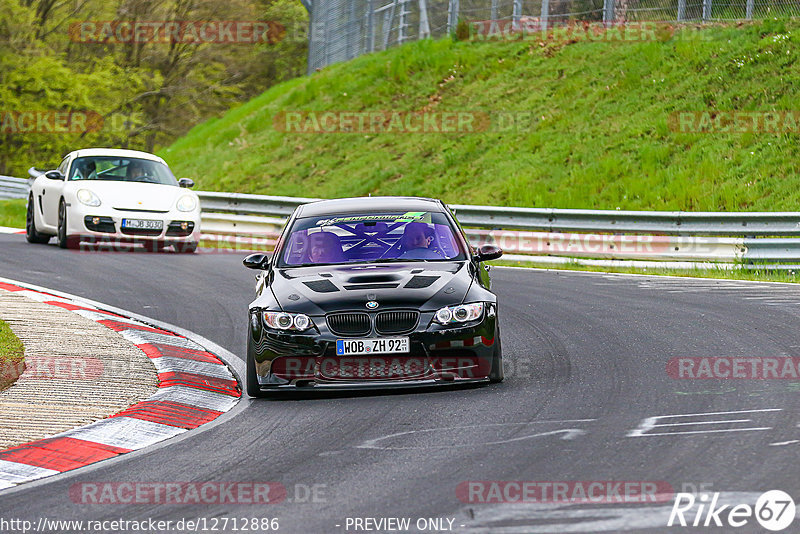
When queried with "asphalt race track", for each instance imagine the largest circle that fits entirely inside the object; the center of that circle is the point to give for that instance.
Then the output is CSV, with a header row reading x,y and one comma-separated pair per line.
x,y
585,357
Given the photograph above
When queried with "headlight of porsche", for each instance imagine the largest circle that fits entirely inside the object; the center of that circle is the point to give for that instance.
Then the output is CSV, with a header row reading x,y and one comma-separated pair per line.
x,y
186,203
287,321
459,314
88,198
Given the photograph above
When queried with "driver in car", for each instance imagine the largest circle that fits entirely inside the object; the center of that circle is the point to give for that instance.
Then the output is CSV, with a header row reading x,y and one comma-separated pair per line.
x,y
86,170
325,247
416,240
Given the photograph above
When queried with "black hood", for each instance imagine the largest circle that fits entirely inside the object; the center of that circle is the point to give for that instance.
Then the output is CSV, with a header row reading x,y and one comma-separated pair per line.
x,y
425,286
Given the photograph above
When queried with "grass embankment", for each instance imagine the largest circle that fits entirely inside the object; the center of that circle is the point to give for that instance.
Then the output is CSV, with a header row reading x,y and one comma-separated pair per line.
x,y
12,213
11,356
600,135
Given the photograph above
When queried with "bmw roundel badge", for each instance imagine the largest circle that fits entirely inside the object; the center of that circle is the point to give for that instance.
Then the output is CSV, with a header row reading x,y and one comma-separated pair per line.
x,y
371,304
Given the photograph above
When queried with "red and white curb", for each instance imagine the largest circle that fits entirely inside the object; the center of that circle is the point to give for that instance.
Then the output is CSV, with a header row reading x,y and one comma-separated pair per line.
x,y
195,387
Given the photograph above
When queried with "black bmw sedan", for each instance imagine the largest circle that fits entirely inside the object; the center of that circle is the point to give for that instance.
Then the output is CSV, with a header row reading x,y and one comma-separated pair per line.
x,y
372,293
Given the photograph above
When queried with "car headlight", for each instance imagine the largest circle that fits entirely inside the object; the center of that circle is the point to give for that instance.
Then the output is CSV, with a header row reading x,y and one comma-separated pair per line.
x,y
186,203
287,321
87,197
459,314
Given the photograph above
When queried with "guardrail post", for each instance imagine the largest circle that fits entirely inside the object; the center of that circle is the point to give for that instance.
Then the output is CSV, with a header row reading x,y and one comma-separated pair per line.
x,y
545,15
424,26
452,15
516,15
388,18
370,14
608,12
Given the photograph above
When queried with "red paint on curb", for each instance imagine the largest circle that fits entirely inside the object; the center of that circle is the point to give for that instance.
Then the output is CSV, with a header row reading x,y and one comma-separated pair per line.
x,y
170,413
119,326
169,351
60,454
208,383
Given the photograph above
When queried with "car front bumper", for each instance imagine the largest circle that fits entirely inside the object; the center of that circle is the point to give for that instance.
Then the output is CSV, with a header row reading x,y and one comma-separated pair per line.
x,y
439,355
104,225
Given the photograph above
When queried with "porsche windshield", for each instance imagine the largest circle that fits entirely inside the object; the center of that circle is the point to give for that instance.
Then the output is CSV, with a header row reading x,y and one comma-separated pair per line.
x,y
118,169
370,237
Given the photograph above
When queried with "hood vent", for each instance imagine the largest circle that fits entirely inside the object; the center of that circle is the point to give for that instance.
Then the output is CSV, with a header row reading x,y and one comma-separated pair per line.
x,y
371,286
418,282
321,286
373,278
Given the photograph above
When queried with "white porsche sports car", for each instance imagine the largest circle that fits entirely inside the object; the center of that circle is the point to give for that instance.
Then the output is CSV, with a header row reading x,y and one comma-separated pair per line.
x,y
101,195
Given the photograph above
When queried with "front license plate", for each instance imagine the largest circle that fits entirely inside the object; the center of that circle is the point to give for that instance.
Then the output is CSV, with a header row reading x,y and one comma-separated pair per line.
x,y
142,224
381,345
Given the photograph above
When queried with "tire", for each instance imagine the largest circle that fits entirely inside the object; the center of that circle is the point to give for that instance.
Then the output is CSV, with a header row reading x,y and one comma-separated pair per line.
x,y
31,234
496,374
186,248
65,241
252,386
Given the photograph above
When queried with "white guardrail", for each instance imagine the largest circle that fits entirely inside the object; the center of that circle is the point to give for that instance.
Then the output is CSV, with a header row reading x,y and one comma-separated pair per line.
x,y
11,188
594,237
542,235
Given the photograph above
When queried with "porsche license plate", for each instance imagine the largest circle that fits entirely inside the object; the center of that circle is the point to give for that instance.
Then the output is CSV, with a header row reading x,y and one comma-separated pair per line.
x,y
381,345
142,224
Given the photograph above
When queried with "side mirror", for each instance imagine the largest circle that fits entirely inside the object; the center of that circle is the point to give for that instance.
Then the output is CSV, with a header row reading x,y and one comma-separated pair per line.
x,y
54,175
488,252
186,182
256,261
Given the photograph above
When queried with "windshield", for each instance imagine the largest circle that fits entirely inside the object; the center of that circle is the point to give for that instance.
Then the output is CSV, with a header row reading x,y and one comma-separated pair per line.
x,y
370,237
121,170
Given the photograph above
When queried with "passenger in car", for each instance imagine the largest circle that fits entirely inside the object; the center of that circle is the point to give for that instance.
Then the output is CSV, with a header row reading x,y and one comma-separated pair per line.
x,y
416,239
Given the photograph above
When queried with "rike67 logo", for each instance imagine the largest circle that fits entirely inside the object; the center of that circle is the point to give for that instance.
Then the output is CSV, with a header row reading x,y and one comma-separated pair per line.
x,y
773,510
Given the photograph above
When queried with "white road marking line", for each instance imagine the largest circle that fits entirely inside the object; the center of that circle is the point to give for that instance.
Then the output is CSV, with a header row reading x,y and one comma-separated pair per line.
x,y
568,434
706,422
705,431
650,423
779,443
722,413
